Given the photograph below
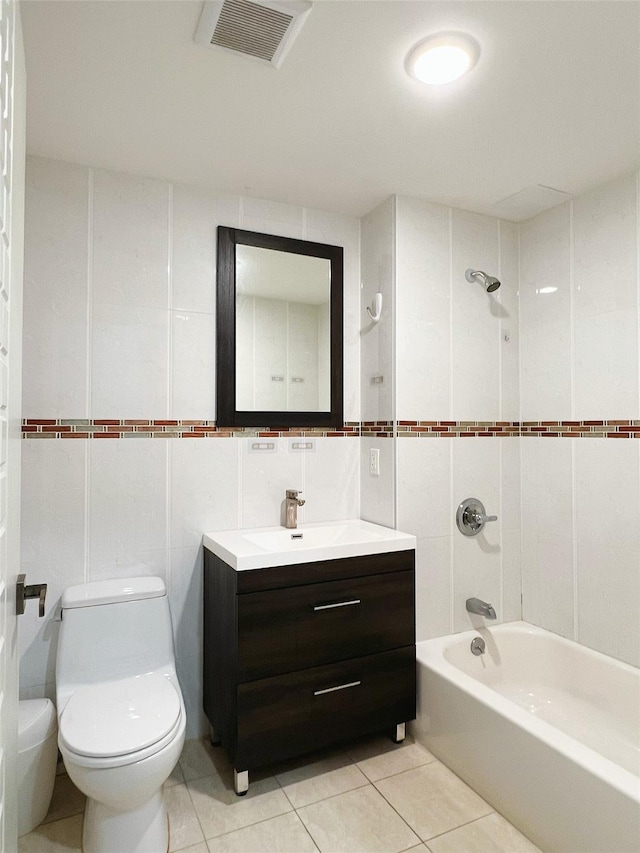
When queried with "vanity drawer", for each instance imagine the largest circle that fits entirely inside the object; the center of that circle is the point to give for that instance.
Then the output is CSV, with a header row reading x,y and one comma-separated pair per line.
x,y
290,629
302,711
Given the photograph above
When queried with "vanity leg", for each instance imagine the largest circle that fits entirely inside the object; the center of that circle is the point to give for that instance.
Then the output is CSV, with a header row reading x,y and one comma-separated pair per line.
x,y
213,737
400,733
241,782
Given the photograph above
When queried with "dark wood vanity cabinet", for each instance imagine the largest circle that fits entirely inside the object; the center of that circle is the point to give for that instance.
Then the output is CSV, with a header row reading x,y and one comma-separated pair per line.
x,y
301,657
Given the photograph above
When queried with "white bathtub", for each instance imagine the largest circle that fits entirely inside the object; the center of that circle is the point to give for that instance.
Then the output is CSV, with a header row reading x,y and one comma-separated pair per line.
x,y
546,730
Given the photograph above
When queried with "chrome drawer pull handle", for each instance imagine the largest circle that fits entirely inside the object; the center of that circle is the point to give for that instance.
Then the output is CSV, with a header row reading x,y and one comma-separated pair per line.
x,y
339,604
339,687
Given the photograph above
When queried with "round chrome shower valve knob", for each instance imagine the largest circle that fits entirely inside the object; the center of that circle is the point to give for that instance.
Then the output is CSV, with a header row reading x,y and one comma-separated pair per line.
x,y
471,517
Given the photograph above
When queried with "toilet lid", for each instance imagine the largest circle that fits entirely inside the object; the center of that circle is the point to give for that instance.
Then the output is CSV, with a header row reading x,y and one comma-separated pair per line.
x,y
119,717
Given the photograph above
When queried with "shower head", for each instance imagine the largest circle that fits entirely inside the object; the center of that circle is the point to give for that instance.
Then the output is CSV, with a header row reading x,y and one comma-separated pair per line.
x,y
487,281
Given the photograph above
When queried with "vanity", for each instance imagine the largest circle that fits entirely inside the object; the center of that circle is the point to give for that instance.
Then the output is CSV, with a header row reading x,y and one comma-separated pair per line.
x,y
309,638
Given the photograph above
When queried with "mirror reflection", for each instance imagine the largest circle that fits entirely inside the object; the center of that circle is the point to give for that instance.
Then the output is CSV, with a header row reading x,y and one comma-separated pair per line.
x,y
283,331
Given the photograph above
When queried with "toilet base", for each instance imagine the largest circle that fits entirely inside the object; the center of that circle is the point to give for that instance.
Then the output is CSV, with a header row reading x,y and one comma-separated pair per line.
x,y
142,830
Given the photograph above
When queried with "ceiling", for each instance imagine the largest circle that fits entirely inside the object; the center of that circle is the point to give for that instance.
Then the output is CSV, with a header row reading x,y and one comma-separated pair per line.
x,y
553,101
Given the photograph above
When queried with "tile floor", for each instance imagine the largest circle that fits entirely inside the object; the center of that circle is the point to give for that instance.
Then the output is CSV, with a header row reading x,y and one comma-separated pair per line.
x,y
372,796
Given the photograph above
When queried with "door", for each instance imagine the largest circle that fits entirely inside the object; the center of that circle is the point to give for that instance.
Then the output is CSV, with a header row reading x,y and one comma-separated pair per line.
x,y
12,146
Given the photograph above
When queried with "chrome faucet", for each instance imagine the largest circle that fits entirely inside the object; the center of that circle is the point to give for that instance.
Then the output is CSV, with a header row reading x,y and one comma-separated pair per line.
x,y
481,608
292,502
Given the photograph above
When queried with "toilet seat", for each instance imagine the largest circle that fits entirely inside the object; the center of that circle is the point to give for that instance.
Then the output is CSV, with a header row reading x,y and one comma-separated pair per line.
x,y
120,722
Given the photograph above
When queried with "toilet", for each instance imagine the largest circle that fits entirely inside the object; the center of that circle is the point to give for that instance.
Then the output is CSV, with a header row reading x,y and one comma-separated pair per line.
x,y
121,715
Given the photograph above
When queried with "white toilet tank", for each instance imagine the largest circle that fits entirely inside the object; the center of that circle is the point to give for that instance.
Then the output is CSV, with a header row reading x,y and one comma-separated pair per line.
x,y
113,629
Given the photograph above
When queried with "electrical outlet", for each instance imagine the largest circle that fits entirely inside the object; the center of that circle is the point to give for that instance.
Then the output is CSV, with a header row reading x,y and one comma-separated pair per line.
x,y
374,462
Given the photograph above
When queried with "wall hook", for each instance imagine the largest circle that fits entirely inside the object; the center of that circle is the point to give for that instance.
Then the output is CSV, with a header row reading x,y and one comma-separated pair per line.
x,y
375,311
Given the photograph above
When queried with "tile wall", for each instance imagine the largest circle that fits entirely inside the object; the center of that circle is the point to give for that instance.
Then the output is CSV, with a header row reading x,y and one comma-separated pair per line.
x,y
580,298
452,368
119,324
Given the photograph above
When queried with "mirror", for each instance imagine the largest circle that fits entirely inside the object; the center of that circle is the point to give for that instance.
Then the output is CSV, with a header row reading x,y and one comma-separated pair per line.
x,y
279,331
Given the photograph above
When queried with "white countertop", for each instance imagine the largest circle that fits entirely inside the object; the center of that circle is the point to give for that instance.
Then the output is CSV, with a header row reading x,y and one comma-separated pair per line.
x,y
261,547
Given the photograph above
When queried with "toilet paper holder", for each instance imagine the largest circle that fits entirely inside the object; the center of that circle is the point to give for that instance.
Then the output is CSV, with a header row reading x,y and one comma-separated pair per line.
x,y
25,591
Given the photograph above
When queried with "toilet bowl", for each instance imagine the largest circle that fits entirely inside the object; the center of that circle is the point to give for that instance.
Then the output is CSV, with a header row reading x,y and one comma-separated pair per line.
x,y
121,721
98,730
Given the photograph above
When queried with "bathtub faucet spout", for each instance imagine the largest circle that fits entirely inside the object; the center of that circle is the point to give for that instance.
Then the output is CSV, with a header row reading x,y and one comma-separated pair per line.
x,y
475,605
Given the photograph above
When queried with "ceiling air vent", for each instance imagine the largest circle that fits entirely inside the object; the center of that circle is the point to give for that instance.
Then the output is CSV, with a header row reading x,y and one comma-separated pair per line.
x,y
263,31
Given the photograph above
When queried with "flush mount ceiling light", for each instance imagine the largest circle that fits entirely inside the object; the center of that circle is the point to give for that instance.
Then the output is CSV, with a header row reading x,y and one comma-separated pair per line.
x,y
442,58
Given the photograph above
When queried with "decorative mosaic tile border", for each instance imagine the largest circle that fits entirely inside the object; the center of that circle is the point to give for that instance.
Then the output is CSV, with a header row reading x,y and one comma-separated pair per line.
x,y
381,429
105,428
457,429
86,428
581,429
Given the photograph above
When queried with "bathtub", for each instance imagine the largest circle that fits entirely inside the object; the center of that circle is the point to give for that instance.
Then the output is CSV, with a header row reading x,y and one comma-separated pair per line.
x,y
544,729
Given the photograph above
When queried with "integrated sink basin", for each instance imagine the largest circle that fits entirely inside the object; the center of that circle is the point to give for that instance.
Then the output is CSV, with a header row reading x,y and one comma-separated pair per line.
x,y
262,547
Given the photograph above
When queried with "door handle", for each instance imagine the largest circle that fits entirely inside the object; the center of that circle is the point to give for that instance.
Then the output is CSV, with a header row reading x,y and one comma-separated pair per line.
x,y
25,591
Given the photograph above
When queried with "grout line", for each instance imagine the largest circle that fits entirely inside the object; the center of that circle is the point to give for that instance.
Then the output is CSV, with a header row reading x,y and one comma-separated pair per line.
x,y
451,537
89,314
501,521
89,368
87,507
451,401
574,542
520,483
572,365
500,417
394,363
468,823
638,280
450,415
170,301
500,322
195,811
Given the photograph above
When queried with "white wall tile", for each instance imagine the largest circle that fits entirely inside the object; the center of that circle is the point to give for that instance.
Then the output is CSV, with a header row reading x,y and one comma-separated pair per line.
x,y
510,508
475,366
377,493
547,534
203,488
190,678
52,546
544,263
508,296
424,486
53,506
55,290
606,365
433,587
185,599
605,264
511,608
331,479
545,317
477,560
127,507
608,544
377,339
545,370
195,215
265,476
129,362
423,309
193,365
271,217
130,241
424,357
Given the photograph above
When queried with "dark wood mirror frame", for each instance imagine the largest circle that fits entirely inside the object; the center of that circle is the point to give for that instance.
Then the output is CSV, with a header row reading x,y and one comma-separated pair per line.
x,y
227,414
